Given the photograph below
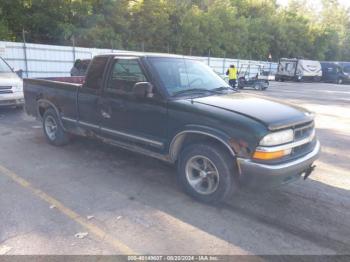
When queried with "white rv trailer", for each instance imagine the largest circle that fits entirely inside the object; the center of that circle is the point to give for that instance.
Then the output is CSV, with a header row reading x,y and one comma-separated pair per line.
x,y
294,69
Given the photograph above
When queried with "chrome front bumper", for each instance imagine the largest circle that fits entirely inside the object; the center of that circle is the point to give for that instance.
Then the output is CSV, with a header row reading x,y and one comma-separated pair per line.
x,y
12,99
253,173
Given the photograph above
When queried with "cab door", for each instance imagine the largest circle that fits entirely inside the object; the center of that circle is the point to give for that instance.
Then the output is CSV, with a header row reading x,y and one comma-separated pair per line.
x,y
140,122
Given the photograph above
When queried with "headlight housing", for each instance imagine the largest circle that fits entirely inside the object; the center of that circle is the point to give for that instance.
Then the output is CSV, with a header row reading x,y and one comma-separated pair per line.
x,y
278,138
274,139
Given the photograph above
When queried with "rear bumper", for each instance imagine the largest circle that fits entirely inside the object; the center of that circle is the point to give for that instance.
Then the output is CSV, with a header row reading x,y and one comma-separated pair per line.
x,y
308,78
14,99
256,174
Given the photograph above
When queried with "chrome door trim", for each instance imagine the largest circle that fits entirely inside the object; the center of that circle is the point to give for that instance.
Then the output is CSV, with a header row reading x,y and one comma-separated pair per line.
x,y
88,124
117,133
134,137
69,119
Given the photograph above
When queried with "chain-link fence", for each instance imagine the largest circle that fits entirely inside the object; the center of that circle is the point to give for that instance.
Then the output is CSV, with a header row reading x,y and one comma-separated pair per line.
x,y
38,60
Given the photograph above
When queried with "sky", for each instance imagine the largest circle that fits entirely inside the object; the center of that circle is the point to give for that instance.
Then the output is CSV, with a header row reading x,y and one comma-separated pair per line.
x,y
343,2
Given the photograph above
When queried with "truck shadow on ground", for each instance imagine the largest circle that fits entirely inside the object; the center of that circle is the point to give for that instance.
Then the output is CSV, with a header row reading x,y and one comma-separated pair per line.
x,y
9,111
311,211
303,210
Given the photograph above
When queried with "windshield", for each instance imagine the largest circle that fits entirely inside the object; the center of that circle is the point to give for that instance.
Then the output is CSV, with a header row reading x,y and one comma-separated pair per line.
x,y
178,75
346,69
4,68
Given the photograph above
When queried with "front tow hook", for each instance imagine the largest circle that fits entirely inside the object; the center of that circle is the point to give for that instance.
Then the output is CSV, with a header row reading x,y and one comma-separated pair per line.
x,y
309,171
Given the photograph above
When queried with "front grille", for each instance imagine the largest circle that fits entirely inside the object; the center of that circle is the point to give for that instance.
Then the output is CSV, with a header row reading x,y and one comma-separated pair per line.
x,y
6,92
301,132
5,87
306,148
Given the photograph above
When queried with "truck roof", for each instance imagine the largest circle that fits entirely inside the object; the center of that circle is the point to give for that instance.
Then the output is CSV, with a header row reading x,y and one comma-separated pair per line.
x,y
141,54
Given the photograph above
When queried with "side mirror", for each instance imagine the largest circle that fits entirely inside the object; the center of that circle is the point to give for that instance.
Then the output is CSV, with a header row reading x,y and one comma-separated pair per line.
x,y
19,72
143,89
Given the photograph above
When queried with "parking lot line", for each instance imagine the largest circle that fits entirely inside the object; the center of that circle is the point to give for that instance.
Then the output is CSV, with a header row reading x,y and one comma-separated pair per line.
x,y
95,230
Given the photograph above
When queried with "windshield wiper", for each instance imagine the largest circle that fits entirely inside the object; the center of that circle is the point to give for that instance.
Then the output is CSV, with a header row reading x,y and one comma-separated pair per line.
x,y
222,88
196,90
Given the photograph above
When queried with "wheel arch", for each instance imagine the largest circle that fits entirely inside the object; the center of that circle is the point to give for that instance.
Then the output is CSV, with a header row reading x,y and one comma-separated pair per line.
x,y
177,143
44,105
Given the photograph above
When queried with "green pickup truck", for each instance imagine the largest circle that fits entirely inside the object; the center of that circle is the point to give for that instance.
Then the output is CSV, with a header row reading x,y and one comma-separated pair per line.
x,y
178,110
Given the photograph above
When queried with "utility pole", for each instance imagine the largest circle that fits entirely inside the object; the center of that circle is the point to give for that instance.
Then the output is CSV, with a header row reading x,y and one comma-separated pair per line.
x,y
209,57
73,50
25,51
224,63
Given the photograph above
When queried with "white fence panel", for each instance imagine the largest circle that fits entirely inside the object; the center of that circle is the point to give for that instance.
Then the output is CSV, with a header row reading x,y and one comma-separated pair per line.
x,y
37,60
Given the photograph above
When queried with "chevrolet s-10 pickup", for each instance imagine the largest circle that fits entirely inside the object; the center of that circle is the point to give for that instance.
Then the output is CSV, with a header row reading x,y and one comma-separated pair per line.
x,y
180,111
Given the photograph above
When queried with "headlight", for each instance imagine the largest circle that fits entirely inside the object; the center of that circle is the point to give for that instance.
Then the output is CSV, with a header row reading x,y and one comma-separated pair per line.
x,y
278,138
274,139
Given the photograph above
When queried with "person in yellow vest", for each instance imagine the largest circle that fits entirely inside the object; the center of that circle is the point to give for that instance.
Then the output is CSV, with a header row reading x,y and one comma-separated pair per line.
x,y
232,75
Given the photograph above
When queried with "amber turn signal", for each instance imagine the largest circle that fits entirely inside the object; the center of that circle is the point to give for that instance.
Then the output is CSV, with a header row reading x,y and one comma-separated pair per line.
x,y
270,155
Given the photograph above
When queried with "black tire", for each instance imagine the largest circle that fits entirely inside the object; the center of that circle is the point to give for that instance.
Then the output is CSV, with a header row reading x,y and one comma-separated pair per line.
x,y
317,79
258,86
340,81
60,137
222,161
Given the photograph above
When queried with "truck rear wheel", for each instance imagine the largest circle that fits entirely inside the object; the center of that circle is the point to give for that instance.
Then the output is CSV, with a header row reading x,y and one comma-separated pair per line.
x,y
53,129
206,172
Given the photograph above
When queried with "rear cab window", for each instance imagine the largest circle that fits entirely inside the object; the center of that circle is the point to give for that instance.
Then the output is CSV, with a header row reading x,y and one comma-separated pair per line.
x,y
94,77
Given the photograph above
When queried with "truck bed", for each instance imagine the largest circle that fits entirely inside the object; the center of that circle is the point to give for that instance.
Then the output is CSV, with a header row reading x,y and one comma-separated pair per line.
x,y
61,94
69,79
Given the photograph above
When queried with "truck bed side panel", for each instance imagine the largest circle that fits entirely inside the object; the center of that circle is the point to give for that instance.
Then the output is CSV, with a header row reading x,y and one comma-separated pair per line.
x,y
62,95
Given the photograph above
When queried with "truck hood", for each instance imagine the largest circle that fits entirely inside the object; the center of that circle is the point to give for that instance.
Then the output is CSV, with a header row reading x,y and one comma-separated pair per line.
x,y
273,114
9,75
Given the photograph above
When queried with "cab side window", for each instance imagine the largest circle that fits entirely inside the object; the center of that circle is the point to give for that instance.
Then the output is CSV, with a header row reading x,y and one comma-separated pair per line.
x,y
94,77
125,73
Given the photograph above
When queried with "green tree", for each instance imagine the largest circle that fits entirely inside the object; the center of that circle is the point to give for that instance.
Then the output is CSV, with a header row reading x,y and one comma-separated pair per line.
x,y
232,28
149,25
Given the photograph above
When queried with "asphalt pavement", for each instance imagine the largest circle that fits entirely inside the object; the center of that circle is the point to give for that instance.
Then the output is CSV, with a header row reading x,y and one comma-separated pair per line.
x,y
91,198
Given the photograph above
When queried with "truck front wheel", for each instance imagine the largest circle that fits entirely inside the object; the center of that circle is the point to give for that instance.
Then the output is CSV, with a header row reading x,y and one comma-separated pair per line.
x,y
206,172
53,129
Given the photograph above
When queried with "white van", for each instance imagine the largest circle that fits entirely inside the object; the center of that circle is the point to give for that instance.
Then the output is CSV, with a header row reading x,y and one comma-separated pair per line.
x,y
11,86
298,70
